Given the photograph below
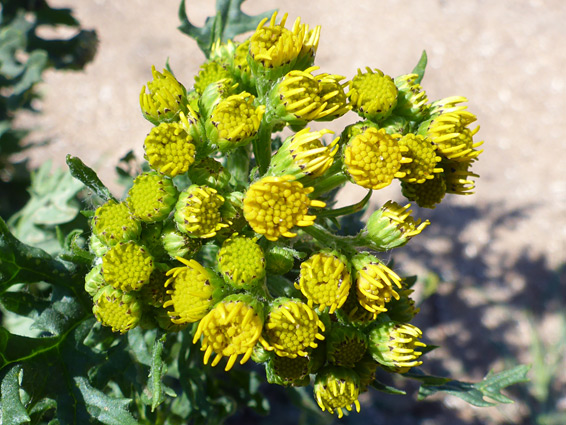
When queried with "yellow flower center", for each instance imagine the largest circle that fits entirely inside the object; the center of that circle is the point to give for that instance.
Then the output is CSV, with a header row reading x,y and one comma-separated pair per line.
x,y
169,150
152,197
310,154
274,205
374,285
117,310
113,223
236,118
424,159
372,95
127,266
198,212
241,260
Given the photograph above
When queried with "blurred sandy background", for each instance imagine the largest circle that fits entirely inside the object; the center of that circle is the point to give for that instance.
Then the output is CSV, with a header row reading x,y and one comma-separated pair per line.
x,y
500,254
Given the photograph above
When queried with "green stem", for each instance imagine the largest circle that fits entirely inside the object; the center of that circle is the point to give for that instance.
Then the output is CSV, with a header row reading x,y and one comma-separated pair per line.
x,y
345,244
326,184
238,163
262,146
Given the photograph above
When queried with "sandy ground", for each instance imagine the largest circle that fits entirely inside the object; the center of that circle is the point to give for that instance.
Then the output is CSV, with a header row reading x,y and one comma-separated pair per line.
x,y
498,253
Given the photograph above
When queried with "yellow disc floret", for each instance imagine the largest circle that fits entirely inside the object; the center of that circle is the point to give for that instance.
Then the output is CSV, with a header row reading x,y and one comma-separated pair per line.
x,y
291,328
274,205
127,266
424,158
372,95
337,388
113,223
117,310
373,158
152,197
190,289
169,149
426,194
241,261
325,280
197,212
230,329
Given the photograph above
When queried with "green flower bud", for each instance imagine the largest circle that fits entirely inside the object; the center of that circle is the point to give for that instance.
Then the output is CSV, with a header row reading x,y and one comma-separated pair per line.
x,y
209,172
412,101
240,67
345,346
230,329
113,223
117,310
178,244
241,262
288,371
426,194
365,369
154,293
151,239
280,260
391,226
396,125
197,212
375,283
165,322
211,72
402,310
127,266
98,247
291,328
214,93
166,98
152,197
325,280
94,280
395,345
337,388
372,95
169,149
352,312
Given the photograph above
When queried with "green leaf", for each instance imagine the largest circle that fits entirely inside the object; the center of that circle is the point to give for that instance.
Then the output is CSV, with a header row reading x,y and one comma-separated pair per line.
x,y
158,370
350,209
380,386
87,175
419,68
62,313
228,22
21,263
35,65
479,394
13,411
23,303
108,410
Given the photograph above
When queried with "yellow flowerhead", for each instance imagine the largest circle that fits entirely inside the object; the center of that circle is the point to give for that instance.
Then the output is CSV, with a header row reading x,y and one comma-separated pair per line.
x,y
210,72
113,223
412,101
190,288
310,154
152,197
426,194
166,97
373,158
234,121
127,266
230,329
337,388
241,261
375,283
274,205
395,345
291,328
373,95
450,132
169,149
117,310
325,280
424,158
457,175
197,212
331,91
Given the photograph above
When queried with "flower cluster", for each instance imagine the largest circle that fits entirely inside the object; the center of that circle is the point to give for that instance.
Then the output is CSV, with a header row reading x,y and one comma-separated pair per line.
x,y
233,230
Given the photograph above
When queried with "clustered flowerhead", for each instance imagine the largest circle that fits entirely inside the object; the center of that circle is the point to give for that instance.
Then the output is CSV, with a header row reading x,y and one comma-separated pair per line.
x,y
234,229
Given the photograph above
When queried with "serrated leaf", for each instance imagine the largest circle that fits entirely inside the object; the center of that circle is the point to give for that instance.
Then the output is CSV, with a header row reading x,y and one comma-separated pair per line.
x,y
420,67
479,394
88,177
108,410
228,22
21,263
13,411
61,314
158,370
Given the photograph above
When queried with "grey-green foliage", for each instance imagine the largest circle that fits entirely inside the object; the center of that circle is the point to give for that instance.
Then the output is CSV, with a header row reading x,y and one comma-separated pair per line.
x,y
24,56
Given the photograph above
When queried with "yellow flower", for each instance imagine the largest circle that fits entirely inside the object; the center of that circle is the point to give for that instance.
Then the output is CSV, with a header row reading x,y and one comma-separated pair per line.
x,y
169,149
426,194
412,101
424,158
197,212
234,121
373,158
113,223
395,345
375,283
325,280
331,91
166,97
152,197
373,95
210,72
241,261
457,176
190,288
127,266
291,328
230,329
274,205
117,310
337,388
